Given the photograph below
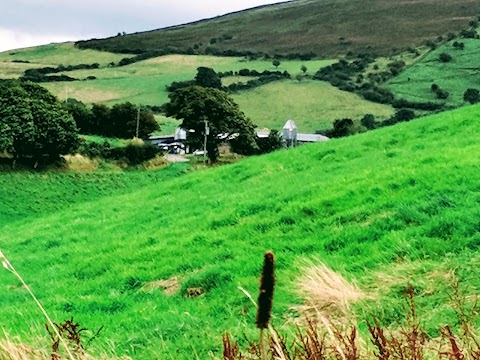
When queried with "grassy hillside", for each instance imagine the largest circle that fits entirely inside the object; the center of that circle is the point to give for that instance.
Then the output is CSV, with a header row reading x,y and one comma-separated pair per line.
x,y
461,73
312,104
326,27
386,208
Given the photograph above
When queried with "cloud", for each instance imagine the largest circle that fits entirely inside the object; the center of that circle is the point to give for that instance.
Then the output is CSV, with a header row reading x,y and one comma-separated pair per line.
x,y
10,39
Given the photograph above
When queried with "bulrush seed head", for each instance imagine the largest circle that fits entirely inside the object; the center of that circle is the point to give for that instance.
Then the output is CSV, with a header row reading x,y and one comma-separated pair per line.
x,y
265,296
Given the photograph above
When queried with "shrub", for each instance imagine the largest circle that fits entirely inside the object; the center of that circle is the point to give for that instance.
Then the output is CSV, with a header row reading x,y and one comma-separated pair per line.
x,y
472,96
442,94
444,57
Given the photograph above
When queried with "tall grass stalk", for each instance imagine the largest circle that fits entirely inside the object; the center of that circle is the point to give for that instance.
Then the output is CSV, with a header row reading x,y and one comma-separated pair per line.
x,y
7,265
265,299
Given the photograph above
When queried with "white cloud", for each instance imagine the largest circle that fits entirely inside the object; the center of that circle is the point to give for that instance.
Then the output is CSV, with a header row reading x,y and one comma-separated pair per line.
x,y
11,39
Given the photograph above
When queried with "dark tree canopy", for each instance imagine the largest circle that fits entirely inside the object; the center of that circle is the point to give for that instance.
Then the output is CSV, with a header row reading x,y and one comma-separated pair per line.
x,y
33,123
207,77
472,96
119,121
123,123
273,142
196,105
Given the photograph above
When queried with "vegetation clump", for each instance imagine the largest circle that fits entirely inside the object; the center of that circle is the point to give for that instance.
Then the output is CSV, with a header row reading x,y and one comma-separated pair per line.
x,y
33,123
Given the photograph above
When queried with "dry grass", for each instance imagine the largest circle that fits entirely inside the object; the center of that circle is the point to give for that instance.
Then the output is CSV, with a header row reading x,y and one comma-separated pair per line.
x,y
78,162
326,292
12,349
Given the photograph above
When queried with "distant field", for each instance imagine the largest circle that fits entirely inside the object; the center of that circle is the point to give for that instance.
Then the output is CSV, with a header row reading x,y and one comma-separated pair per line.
x,y
455,77
314,105
145,82
386,209
64,53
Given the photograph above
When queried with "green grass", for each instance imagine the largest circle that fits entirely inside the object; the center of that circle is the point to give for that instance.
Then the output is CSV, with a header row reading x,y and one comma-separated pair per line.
x,y
57,54
386,208
314,105
455,77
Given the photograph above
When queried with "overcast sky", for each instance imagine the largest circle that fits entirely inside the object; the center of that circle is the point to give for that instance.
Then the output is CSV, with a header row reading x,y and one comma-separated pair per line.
x,y
35,22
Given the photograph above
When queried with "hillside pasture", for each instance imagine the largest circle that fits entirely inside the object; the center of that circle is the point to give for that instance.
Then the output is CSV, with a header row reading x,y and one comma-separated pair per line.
x,y
455,76
385,209
314,105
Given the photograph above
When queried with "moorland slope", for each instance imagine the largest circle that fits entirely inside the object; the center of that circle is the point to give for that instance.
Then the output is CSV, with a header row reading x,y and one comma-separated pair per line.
x,y
326,27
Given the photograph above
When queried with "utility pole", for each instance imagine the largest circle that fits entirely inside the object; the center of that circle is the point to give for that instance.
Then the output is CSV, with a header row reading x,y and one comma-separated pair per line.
x,y
206,133
138,122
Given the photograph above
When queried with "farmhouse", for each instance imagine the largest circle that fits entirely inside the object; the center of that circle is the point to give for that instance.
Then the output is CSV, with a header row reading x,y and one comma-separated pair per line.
x,y
292,138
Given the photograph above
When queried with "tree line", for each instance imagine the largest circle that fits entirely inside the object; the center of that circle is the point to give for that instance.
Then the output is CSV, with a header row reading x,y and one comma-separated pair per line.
x,y
121,120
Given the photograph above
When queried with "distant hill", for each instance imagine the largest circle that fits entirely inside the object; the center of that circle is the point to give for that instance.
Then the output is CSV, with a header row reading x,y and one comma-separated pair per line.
x,y
324,27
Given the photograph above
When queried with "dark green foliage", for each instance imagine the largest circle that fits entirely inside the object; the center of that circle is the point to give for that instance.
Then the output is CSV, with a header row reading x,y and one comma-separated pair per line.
x,y
80,113
431,44
33,123
304,69
271,143
445,57
42,74
123,121
207,77
99,120
472,96
400,116
368,121
195,106
119,121
469,33
341,128
264,77
458,45
132,154
442,94
276,63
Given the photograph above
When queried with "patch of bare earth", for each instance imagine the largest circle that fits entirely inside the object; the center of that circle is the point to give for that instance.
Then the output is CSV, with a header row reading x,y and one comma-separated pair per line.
x,y
169,286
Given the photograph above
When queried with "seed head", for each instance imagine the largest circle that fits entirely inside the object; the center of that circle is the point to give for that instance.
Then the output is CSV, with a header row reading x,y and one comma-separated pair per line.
x,y
265,296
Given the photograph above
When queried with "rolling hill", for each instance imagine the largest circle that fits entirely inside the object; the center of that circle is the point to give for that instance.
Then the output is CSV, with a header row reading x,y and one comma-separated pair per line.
x,y
326,27
385,209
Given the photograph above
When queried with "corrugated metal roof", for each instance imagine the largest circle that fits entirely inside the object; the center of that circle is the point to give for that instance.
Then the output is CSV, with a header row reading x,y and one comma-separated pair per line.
x,y
311,138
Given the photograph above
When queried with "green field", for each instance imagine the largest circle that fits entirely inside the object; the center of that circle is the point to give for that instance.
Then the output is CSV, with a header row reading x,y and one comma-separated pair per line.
x,y
314,105
386,208
461,73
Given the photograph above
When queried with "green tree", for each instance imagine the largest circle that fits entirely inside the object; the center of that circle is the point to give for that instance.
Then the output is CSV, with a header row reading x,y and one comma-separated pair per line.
x,y
304,69
368,121
276,63
99,123
472,96
81,114
207,77
33,124
197,107
123,121
271,143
